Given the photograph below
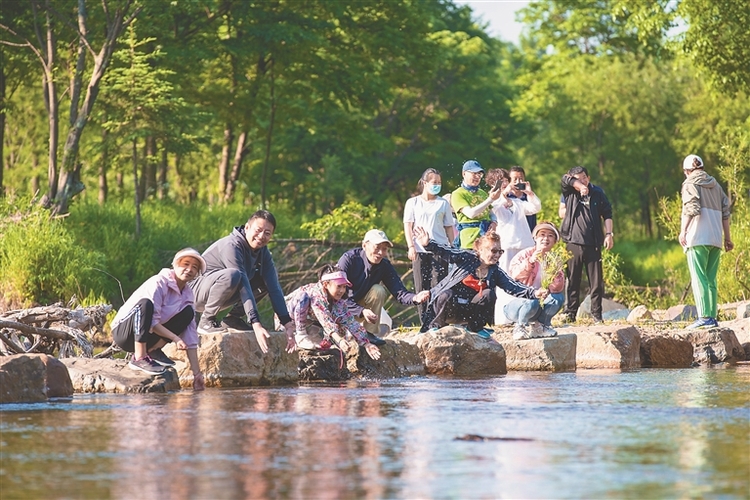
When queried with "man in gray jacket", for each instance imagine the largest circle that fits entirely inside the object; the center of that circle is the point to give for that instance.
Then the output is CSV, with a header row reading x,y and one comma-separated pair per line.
x,y
705,215
239,272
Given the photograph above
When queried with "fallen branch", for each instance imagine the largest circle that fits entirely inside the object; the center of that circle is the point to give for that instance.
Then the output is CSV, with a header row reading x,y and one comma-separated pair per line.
x,y
33,330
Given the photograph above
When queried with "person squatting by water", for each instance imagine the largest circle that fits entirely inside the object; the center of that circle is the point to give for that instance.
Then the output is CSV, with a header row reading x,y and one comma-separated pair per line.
x,y
239,272
583,206
533,317
705,214
319,308
162,310
472,205
433,213
372,277
468,292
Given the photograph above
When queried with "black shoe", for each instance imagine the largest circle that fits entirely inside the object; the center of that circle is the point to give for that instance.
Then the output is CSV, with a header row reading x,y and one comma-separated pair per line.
x,y
236,324
375,340
146,364
569,318
161,358
208,326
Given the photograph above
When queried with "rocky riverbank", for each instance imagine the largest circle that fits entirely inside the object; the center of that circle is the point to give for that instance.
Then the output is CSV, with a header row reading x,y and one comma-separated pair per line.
x,y
233,360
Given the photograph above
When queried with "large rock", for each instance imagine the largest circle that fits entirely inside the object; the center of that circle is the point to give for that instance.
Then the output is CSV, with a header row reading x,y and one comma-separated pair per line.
x,y
715,345
454,351
665,351
327,365
22,379
556,354
608,306
27,378
608,347
235,360
640,313
397,359
681,313
114,375
743,310
741,329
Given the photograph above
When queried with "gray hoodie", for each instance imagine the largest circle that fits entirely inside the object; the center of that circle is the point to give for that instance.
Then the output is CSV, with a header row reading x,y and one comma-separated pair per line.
x,y
705,201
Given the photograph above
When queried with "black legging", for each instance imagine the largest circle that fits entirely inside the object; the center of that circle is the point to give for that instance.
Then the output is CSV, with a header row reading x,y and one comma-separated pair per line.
x,y
136,327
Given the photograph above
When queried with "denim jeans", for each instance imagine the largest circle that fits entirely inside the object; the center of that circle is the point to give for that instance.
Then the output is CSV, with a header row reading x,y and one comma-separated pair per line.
x,y
524,311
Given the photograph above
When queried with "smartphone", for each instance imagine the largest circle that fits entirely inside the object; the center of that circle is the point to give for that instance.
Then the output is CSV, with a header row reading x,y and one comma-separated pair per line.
x,y
521,186
498,183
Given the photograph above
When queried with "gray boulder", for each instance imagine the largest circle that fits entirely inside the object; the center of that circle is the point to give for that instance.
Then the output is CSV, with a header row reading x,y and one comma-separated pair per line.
x,y
610,346
665,351
556,354
714,345
113,375
640,313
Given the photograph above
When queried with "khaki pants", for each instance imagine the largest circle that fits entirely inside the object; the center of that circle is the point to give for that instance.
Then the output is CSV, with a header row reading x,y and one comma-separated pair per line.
x,y
374,301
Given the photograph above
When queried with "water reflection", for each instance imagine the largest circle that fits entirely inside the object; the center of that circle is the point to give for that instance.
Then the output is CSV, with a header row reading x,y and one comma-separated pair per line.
x,y
594,434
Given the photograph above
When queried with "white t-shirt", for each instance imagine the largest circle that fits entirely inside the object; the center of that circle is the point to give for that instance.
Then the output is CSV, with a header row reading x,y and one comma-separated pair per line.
x,y
431,215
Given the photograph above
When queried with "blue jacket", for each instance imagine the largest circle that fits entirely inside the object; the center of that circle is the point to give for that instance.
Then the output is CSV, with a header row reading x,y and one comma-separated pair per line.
x,y
364,275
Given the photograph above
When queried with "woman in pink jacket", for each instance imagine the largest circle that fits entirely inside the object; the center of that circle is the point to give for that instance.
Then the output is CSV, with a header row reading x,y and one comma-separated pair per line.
x,y
533,318
162,310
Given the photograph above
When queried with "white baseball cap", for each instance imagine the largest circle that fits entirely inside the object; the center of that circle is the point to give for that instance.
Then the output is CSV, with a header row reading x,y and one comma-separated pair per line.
x,y
376,236
691,162
193,254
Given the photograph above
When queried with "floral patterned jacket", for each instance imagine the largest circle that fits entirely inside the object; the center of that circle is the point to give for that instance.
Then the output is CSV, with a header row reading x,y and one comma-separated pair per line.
x,y
309,304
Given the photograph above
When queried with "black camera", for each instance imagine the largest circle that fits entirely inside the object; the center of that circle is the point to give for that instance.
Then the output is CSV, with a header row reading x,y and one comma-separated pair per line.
x,y
521,186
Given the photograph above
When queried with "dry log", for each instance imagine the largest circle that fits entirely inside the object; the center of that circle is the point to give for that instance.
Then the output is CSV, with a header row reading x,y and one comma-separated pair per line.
x,y
33,330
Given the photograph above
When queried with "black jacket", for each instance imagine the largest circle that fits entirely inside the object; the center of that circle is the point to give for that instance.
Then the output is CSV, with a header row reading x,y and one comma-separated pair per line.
x,y
599,208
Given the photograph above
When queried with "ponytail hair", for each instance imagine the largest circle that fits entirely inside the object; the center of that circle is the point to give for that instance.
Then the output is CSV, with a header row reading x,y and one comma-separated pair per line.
x,y
423,179
326,269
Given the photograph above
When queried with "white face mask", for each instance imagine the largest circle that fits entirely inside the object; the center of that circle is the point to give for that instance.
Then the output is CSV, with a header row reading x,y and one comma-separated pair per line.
x,y
434,188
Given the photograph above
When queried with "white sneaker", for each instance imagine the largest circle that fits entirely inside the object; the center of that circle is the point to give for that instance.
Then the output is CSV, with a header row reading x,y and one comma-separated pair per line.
x,y
548,331
535,330
305,342
520,332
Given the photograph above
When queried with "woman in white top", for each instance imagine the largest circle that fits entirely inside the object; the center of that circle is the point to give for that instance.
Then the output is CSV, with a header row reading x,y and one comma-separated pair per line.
x,y
511,213
433,213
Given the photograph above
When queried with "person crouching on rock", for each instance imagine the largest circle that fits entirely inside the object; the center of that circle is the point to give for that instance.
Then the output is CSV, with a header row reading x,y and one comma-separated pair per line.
x,y
320,306
162,310
468,292
533,317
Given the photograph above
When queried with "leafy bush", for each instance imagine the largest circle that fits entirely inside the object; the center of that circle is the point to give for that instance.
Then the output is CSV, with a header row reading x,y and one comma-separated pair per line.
x,y
41,261
349,222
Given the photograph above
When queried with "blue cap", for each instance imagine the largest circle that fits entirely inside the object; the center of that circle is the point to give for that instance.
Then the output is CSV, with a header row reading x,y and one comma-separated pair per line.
x,y
472,166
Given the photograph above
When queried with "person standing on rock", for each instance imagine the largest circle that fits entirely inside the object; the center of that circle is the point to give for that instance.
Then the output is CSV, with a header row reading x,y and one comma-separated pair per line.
x,y
583,207
160,311
319,308
472,205
468,292
533,317
373,277
434,214
705,215
240,272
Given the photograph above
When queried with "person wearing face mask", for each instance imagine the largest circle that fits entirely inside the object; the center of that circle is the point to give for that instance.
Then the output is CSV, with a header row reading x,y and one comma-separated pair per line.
x,y
240,272
320,314
472,205
434,214
373,277
468,292
160,311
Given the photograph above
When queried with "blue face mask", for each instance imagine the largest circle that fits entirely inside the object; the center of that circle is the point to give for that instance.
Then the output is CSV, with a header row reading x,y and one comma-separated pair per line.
x,y
434,188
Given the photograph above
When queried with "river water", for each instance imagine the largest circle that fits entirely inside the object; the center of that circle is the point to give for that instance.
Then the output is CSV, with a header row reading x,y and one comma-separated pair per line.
x,y
587,434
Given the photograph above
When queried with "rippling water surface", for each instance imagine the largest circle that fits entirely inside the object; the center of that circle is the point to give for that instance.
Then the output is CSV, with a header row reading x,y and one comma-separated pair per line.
x,y
588,434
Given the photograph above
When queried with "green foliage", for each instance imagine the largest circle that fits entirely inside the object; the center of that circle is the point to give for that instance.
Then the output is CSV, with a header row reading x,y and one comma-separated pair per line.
x,y
40,259
349,222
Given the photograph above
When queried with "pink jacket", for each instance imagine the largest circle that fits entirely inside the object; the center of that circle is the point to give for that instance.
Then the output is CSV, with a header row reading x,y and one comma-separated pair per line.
x,y
168,300
530,273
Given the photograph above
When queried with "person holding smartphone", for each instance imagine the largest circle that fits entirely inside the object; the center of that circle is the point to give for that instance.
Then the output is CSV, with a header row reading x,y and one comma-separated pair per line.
x,y
515,236
472,206
518,183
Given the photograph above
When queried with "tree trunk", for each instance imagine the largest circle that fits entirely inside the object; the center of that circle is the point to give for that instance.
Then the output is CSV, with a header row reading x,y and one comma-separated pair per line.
x,y
148,169
226,149
239,155
69,183
137,200
269,137
163,187
50,101
103,167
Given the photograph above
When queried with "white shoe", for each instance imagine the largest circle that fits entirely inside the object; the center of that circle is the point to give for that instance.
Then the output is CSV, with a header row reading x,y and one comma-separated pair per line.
x,y
305,342
548,331
520,332
535,329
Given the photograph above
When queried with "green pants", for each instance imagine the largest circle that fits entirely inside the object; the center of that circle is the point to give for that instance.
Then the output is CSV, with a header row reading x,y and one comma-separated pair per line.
x,y
703,262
